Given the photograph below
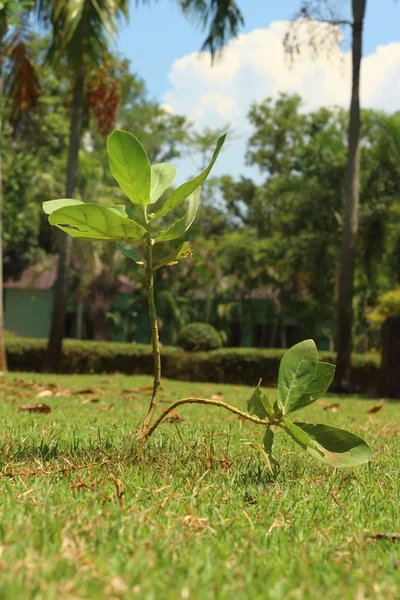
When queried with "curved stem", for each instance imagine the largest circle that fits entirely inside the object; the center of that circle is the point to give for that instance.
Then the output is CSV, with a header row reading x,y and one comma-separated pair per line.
x,y
154,334
232,409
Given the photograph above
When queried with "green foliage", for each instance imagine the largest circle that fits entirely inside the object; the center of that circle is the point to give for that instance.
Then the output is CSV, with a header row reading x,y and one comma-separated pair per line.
x,y
235,366
296,373
130,166
388,306
162,176
142,184
300,382
199,337
95,222
332,446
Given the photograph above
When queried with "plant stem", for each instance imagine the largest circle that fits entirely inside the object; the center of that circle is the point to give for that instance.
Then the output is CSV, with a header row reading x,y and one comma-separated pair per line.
x,y
154,335
232,409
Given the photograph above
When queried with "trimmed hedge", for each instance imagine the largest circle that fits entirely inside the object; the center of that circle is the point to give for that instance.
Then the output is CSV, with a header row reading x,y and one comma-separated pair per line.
x,y
227,365
197,337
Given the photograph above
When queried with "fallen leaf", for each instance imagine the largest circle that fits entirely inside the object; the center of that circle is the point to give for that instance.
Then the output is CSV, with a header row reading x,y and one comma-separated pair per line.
x,y
332,407
105,408
90,390
217,396
120,488
42,408
173,417
63,393
44,394
374,409
89,400
385,536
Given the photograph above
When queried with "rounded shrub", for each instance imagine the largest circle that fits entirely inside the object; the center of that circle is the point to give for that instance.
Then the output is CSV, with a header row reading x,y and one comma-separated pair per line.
x,y
197,337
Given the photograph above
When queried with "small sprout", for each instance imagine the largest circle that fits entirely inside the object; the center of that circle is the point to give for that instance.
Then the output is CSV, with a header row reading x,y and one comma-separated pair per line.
x,y
302,378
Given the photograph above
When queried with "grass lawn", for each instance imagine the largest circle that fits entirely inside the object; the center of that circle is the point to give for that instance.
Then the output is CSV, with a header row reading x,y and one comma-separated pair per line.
x,y
197,516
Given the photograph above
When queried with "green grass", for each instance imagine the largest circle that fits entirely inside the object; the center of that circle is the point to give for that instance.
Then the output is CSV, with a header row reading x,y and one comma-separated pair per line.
x,y
196,517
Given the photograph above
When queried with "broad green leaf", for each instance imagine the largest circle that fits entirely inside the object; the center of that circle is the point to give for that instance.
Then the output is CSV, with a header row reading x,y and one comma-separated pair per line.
x,y
130,166
52,205
130,253
186,189
181,225
183,251
268,440
266,451
301,438
296,372
95,222
123,210
259,404
162,176
318,387
336,447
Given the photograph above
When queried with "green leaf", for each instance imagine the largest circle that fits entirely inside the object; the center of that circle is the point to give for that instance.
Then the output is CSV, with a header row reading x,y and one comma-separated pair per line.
x,y
52,205
130,253
186,189
296,372
318,386
95,222
183,251
181,225
259,404
123,210
266,451
268,440
162,176
130,166
332,446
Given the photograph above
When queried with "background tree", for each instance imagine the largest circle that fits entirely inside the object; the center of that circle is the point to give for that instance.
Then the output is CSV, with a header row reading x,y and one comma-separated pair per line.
x,y
80,40
17,74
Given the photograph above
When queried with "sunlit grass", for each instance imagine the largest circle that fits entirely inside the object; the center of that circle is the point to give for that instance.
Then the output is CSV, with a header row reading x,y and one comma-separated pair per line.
x,y
197,516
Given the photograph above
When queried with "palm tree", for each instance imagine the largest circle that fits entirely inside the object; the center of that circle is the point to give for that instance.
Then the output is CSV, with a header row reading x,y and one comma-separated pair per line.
x,y
344,309
22,90
81,32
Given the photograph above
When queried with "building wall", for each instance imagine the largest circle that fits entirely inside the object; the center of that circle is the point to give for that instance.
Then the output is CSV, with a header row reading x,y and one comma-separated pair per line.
x,y
28,312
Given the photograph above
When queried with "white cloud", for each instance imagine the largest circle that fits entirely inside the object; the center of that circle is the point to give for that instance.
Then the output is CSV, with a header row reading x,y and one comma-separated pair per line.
x,y
254,67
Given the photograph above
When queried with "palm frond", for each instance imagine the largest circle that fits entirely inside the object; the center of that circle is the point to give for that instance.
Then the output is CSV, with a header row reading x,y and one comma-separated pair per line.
x,y
22,85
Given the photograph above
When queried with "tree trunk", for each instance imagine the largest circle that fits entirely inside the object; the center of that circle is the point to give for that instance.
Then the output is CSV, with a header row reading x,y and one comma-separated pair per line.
x,y
102,294
80,306
54,347
3,357
389,378
344,312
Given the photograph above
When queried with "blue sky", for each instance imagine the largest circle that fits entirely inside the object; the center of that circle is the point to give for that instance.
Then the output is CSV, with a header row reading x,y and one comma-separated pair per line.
x,y
163,48
158,34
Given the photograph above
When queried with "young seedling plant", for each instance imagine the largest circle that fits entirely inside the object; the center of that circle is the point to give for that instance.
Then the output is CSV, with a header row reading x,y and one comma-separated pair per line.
x,y
301,379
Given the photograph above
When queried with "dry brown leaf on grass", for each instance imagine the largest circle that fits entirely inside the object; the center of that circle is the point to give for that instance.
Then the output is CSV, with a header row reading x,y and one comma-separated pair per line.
x,y
374,409
105,408
41,408
332,407
90,400
385,536
44,394
90,390
63,394
119,487
218,396
173,417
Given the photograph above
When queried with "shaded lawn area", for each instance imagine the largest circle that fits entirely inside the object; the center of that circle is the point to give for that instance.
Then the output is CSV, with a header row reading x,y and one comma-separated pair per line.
x,y
197,516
